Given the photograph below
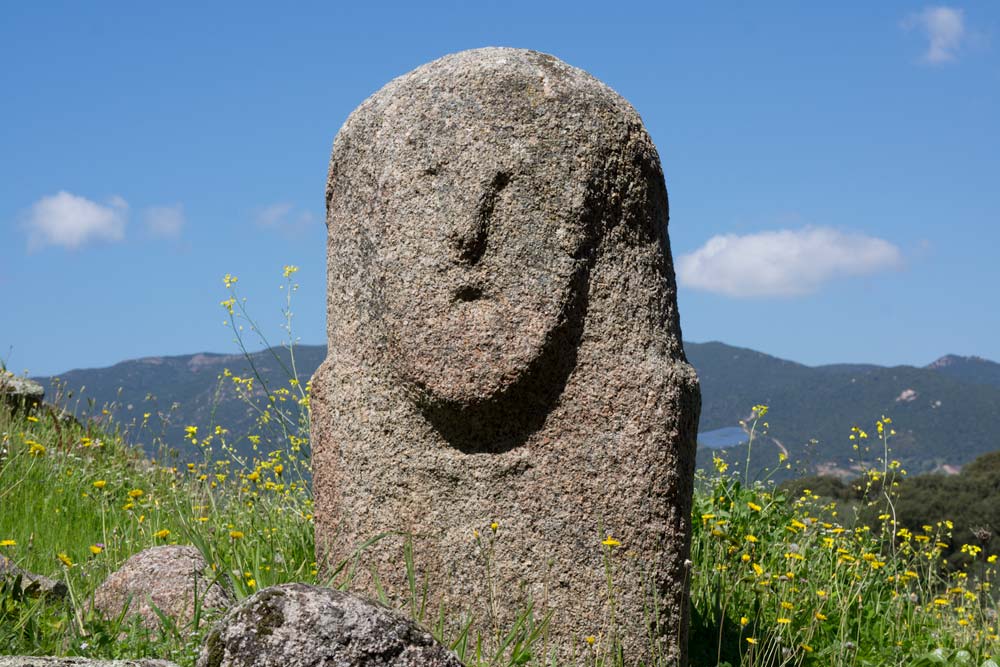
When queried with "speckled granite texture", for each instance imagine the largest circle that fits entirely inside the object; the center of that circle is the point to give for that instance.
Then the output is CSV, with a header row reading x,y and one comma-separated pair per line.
x,y
295,625
504,345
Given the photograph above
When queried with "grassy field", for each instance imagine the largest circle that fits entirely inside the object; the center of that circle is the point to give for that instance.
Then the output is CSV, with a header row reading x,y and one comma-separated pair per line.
x,y
775,580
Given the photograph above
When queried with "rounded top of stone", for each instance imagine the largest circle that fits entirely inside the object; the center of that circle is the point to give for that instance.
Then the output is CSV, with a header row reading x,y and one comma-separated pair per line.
x,y
494,59
493,78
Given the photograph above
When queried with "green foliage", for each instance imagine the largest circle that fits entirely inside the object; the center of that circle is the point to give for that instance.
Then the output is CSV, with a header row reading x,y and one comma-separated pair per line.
x,y
969,369
969,501
814,573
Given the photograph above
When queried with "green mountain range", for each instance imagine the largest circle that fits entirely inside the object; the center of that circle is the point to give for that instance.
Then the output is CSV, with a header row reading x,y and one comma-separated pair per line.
x,y
944,415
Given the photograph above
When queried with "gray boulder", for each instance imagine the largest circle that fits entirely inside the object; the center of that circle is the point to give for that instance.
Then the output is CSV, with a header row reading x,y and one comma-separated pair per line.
x,y
32,584
296,625
168,577
20,393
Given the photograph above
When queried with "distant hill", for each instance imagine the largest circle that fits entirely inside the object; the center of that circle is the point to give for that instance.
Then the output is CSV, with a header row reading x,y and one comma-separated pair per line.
x,y
946,414
943,421
970,369
178,391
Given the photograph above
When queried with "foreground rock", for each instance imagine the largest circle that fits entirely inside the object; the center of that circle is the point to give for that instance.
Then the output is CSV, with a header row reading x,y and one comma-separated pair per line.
x,y
296,625
504,345
18,392
28,661
32,584
170,577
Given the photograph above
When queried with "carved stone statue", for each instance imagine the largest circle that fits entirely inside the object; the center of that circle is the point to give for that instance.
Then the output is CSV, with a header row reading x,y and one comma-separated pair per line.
x,y
505,382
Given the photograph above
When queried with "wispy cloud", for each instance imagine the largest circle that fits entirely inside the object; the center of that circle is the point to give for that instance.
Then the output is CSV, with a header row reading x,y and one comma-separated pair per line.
x,y
945,30
164,222
283,217
71,221
783,263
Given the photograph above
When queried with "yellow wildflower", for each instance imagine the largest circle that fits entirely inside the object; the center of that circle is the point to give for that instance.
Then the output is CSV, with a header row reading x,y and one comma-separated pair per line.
x,y
161,534
100,484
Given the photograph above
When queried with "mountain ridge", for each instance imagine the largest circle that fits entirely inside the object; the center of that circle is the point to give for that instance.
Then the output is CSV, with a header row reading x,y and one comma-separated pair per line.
x,y
946,414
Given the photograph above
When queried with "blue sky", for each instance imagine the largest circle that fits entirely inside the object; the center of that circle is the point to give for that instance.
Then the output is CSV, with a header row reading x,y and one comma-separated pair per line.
x,y
833,171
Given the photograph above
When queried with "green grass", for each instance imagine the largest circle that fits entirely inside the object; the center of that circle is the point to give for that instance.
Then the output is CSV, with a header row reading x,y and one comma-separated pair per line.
x,y
775,580
77,503
800,581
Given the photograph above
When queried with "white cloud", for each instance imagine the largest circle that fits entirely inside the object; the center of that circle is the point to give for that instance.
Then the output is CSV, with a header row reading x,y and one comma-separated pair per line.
x,y
784,262
283,217
273,215
164,221
944,28
71,221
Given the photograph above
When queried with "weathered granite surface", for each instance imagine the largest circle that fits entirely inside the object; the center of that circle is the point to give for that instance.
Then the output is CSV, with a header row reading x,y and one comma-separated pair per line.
x,y
295,625
504,345
169,576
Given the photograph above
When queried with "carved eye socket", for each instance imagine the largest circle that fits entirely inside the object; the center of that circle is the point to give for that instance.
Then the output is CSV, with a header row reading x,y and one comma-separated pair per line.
x,y
470,243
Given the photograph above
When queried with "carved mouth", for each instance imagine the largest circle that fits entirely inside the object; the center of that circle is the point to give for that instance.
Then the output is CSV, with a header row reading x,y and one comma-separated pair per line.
x,y
468,293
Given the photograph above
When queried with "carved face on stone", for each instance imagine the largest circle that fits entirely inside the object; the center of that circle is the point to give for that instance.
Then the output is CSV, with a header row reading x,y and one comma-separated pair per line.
x,y
482,253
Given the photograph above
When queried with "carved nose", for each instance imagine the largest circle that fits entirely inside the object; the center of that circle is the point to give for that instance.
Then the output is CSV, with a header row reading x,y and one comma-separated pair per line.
x,y
470,241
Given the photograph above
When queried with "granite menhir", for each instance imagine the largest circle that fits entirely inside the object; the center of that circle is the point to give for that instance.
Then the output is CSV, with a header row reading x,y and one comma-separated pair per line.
x,y
504,346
